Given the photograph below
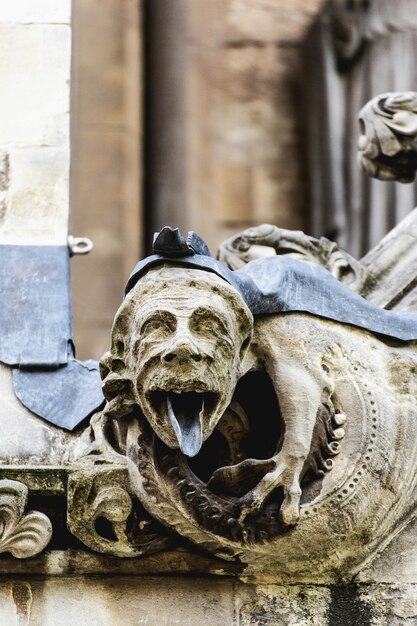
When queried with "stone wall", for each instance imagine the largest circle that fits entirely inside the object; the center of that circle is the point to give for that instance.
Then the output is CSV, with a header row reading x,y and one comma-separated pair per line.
x,y
35,52
176,601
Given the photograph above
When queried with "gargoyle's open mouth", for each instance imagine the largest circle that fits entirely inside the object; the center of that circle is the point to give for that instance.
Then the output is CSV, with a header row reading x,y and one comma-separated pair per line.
x,y
185,411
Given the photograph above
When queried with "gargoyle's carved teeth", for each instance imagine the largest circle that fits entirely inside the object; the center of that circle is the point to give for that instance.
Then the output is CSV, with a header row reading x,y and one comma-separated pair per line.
x,y
186,389
339,433
328,464
191,386
334,448
339,419
156,396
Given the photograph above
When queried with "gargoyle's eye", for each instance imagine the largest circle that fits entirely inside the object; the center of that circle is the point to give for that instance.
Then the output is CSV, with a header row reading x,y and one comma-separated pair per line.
x,y
206,321
161,323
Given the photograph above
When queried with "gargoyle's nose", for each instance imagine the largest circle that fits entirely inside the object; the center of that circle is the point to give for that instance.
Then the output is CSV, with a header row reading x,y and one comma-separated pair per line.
x,y
182,351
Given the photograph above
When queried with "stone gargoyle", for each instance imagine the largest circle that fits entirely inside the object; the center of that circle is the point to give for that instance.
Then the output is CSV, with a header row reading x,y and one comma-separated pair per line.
x,y
267,413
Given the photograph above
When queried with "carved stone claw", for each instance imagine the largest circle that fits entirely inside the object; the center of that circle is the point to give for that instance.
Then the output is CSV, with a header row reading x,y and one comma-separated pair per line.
x,y
339,433
253,501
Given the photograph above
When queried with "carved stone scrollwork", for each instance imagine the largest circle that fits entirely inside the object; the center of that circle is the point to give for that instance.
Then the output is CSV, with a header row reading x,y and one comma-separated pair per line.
x,y
268,240
103,515
388,133
22,534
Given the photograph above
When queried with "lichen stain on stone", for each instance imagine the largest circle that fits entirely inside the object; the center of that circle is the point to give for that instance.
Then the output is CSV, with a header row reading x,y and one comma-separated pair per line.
x,y
22,597
4,182
402,371
3,207
347,608
4,170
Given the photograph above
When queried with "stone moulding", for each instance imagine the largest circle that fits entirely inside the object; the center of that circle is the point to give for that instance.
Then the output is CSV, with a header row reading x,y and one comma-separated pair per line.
x,y
22,534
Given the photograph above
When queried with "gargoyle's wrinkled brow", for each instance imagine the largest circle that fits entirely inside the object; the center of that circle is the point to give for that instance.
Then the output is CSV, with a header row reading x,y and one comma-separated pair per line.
x,y
159,320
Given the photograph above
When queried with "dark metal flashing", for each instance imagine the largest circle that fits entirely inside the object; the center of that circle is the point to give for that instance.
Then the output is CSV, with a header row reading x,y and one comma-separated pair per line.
x,y
64,396
36,336
35,305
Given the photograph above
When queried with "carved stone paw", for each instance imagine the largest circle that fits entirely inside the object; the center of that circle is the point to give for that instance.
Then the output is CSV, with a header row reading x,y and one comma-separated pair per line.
x,y
281,476
251,504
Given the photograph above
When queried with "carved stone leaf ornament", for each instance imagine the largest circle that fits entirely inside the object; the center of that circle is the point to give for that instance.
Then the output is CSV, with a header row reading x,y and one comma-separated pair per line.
x,y
387,142
283,441
22,534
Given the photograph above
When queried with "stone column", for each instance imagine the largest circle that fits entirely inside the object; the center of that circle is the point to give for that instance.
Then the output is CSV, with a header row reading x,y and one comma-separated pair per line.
x,y
224,147
106,163
35,52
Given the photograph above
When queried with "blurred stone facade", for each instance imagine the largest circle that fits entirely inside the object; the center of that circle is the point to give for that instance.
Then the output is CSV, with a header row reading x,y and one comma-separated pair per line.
x,y
106,161
217,146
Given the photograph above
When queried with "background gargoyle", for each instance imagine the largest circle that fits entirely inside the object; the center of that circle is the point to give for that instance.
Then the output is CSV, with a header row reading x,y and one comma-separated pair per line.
x,y
387,142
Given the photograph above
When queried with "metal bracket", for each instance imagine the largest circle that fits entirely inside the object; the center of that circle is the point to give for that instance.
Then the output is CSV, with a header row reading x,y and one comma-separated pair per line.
x,y
79,245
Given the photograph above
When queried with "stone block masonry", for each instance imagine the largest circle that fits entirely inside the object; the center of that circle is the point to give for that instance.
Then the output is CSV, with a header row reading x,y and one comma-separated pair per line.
x,y
35,49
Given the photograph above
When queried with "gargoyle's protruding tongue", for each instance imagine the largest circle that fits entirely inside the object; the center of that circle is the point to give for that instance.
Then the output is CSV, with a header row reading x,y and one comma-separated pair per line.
x,y
185,412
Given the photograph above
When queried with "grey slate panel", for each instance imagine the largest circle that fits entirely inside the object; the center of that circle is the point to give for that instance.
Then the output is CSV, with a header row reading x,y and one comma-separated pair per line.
x,y
36,336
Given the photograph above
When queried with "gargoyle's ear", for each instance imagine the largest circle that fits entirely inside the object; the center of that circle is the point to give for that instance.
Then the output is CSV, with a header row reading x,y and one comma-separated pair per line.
x,y
115,381
245,324
244,355
105,364
111,362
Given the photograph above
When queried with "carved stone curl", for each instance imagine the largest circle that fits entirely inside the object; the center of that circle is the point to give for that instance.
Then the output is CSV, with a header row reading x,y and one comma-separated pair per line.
x,y
22,534
268,240
388,133
103,515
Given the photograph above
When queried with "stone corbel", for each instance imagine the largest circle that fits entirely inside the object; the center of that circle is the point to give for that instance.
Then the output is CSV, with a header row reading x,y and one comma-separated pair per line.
x,y
388,133
22,534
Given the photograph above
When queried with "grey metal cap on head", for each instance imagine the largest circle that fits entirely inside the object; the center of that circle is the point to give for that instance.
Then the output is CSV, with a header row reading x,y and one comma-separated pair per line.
x,y
279,284
170,246
172,243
